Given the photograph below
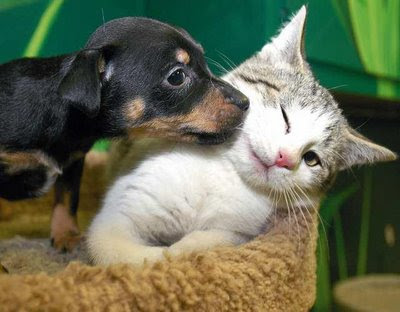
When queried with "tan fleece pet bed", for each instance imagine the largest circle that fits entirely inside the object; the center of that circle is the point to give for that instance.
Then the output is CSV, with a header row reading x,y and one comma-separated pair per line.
x,y
275,272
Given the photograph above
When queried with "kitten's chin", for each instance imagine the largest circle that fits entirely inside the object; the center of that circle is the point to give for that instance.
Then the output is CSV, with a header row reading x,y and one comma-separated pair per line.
x,y
264,177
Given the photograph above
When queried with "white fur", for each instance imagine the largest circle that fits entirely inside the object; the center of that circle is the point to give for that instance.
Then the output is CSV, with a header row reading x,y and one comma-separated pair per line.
x,y
174,194
215,196
194,198
200,197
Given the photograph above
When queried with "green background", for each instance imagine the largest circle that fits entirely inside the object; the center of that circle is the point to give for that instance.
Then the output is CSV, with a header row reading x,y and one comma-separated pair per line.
x,y
235,28
353,47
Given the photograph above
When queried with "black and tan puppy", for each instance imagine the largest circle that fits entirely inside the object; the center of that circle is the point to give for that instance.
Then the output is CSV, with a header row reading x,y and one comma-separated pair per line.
x,y
136,76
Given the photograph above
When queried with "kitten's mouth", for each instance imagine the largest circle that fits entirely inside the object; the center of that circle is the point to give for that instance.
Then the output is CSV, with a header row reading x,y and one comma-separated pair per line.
x,y
259,161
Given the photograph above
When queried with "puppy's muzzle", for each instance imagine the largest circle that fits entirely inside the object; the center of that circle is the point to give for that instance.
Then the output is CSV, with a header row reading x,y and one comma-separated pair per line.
x,y
220,113
212,120
234,96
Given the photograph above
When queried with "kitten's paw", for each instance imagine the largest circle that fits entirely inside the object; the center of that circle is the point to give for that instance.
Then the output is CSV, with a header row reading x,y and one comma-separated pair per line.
x,y
202,240
109,249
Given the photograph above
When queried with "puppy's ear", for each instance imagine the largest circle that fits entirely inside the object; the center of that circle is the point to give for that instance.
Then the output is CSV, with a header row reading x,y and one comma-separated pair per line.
x,y
81,84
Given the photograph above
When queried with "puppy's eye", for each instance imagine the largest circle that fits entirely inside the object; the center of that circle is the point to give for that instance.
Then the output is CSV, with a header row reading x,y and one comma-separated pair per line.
x,y
177,78
311,159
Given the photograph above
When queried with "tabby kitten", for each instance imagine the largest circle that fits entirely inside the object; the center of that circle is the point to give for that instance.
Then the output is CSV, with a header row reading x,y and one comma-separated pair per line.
x,y
293,142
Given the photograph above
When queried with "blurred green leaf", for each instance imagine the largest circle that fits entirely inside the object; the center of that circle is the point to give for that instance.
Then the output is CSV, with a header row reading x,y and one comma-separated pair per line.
x,y
375,28
340,246
342,11
46,21
323,301
332,203
365,221
10,4
101,145
330,207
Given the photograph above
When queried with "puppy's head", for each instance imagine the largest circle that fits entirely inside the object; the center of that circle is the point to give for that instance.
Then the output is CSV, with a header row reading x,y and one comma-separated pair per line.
x,y
143,77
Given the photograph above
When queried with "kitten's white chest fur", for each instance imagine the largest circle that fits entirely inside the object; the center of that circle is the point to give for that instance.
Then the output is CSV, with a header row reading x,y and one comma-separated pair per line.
x,y
176,193
287,153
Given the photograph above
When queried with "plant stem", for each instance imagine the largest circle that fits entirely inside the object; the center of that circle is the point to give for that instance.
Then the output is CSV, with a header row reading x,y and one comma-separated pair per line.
x,y
46,21
365,219
340,246
324,298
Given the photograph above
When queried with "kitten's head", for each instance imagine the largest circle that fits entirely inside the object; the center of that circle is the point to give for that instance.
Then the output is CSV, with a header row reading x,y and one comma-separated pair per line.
x,y
295,136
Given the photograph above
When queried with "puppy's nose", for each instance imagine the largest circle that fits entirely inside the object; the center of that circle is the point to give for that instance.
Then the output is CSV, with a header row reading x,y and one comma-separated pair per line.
x,y
234,96
242,102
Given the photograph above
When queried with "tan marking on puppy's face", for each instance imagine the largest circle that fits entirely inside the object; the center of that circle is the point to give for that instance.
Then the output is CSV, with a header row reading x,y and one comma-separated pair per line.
x,y
134,110
213,115
182,56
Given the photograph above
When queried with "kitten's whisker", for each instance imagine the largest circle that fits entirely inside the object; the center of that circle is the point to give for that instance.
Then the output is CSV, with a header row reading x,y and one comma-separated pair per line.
x,y
316,211
274,206
275,203
239,128
307,210
301,210
278,200
295,218
288,210
349,167
270,192
337,87
218,65
227,60
363,124
340,156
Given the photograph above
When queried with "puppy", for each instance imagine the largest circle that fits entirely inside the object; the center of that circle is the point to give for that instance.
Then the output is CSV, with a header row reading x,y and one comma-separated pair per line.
x,y
136,77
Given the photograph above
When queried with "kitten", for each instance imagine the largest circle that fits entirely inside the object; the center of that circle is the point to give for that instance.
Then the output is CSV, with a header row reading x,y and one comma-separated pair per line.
x,y
293,142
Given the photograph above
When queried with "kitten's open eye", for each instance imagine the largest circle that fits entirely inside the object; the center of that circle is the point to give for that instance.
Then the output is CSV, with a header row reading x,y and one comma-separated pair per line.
x,y
311,159
177,77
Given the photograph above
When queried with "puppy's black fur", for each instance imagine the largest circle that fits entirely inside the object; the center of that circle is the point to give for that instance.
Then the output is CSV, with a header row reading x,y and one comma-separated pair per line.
x,y
136,76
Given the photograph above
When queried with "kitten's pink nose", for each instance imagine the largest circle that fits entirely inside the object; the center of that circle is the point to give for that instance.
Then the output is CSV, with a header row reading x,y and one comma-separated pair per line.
x,y
284,161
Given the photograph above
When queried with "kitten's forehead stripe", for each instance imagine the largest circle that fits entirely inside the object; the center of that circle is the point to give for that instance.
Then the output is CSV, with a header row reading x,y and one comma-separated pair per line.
x,y
258,80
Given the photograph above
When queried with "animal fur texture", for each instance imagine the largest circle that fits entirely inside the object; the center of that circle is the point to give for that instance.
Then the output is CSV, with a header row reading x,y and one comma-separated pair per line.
x,y
292,144
274,272
136,77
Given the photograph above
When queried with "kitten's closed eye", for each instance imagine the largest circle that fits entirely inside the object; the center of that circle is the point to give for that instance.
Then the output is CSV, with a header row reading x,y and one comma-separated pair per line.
x,y
285,117
311,159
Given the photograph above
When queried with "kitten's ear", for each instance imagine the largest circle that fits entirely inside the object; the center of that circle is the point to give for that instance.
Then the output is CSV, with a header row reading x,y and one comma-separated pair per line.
x,y
288,45
358,150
